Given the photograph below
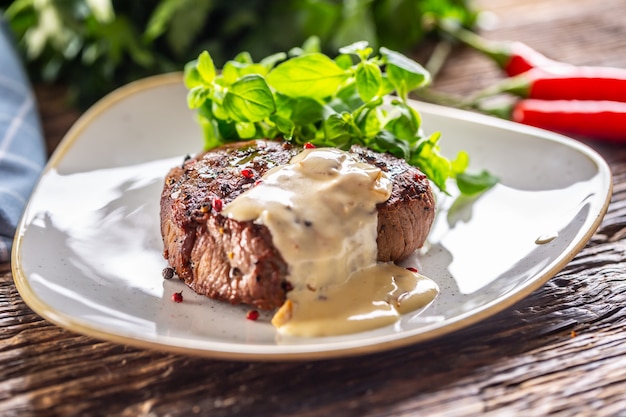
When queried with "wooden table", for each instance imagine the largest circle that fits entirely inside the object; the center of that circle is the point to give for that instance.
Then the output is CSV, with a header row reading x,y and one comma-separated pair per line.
x,y
561,351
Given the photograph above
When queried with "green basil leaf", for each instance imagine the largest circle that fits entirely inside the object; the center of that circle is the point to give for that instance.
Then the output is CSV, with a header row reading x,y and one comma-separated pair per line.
x,y
386,141
234,70
310,133
284,105
284,125
430,161
243,57
229,74
300,110
217,110
371,123
206,67
356,48
368,80
344,61
471,184
249,99
406,125
270,62
460,164
212,137
346,99
339,129
192,76
313,75
386,86
245,130
402,128
197,96
227,130
306,111
312,44
405,74
360,113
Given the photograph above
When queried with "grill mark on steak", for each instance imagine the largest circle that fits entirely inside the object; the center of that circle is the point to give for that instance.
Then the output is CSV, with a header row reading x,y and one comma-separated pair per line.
x,y
236,261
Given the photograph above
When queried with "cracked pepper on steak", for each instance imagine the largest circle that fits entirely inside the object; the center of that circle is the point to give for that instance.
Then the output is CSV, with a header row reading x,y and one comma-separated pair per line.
x,y
235,261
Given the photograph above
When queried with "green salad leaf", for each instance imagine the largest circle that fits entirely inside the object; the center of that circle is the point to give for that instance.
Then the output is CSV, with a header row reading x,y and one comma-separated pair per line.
x,y
357,98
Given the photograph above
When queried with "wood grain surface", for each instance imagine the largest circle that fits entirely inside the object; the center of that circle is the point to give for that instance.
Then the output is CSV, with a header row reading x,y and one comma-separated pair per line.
x,y
561,351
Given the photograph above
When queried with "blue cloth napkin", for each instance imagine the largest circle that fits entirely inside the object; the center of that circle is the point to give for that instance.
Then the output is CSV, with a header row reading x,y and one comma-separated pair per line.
x,y
22,149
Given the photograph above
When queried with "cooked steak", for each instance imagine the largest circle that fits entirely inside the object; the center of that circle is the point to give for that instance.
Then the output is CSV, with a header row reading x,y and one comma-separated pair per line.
x,y
236,261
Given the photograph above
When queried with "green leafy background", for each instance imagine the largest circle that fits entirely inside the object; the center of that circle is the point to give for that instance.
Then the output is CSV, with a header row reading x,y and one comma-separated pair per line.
x,y
94,46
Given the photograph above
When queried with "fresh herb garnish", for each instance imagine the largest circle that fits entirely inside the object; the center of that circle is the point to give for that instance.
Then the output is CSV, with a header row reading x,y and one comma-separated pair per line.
x,y
309,97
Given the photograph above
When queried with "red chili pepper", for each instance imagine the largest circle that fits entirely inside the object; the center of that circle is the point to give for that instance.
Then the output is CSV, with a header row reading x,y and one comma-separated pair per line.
x,y
566,83
522,58
513,57
604,120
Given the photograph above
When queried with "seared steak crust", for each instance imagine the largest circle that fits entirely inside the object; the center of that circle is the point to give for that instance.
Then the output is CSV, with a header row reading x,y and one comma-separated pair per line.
x,y
404,220
236,261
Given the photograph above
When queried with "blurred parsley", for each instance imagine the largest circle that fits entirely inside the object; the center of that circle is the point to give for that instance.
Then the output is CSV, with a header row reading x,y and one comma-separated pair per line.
x,y
94,46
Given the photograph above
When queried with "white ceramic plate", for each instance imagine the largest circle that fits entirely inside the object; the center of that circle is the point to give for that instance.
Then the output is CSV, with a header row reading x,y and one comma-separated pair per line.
x,y
87,255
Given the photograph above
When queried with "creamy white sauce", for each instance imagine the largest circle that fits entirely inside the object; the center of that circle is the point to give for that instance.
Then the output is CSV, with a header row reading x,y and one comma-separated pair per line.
x,y
321,211
372,297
